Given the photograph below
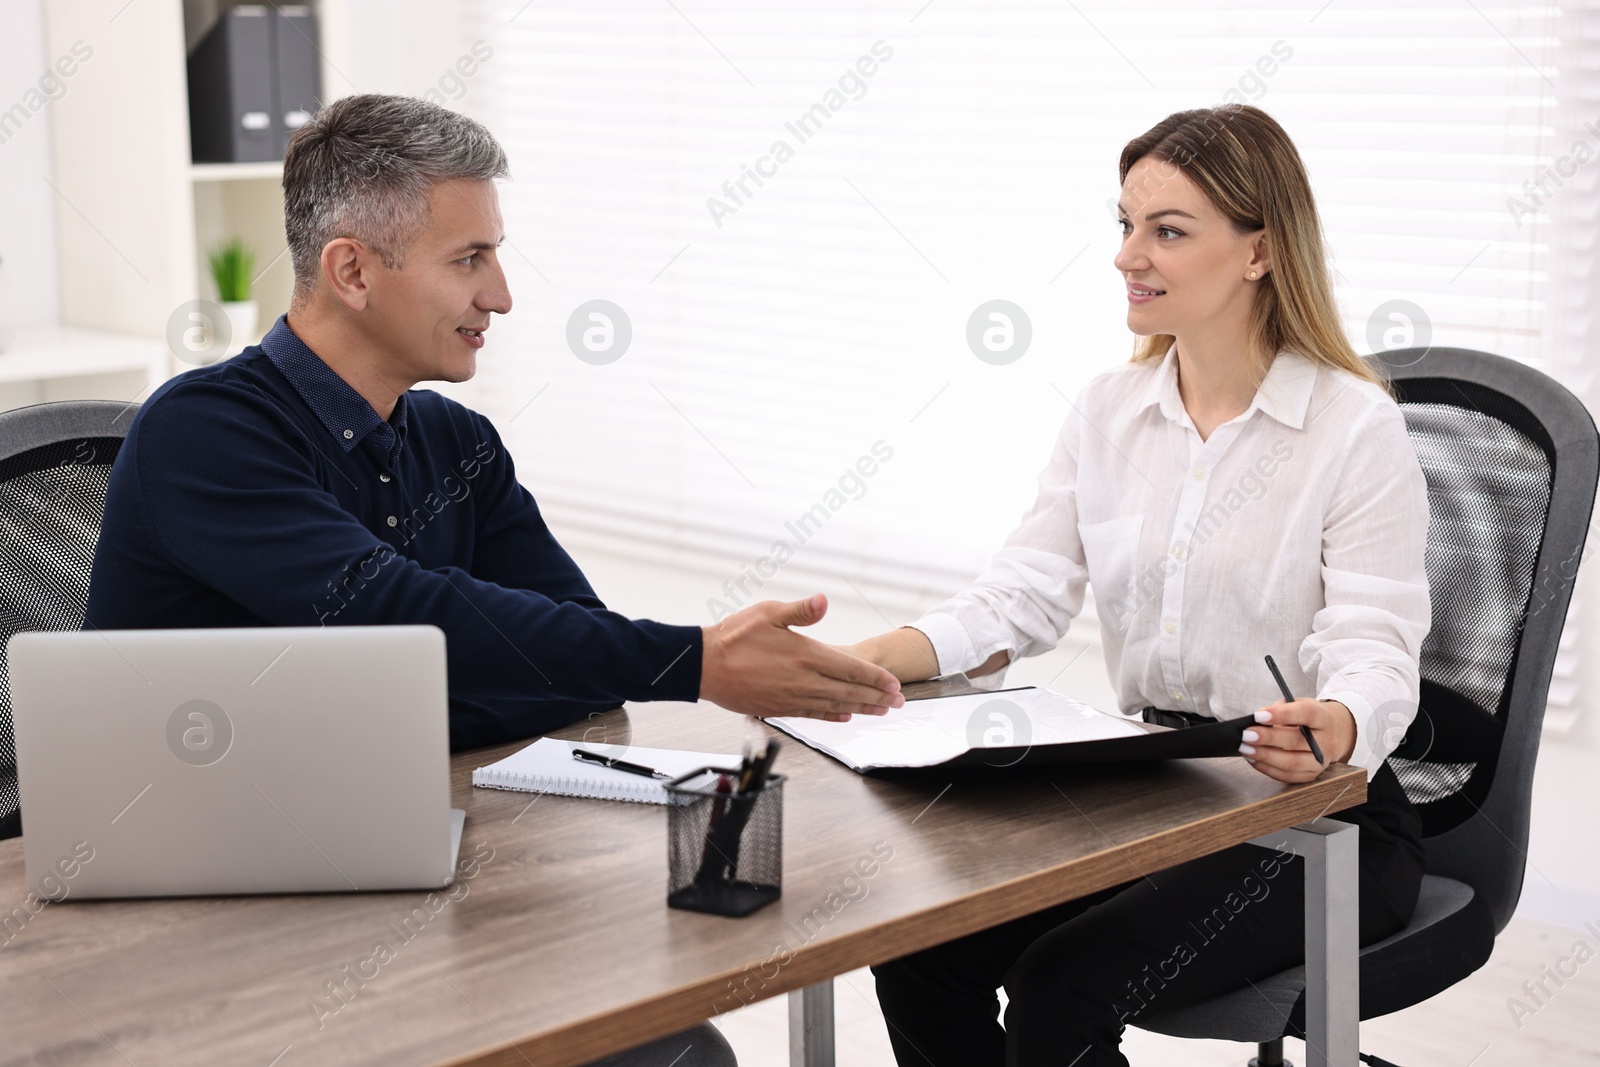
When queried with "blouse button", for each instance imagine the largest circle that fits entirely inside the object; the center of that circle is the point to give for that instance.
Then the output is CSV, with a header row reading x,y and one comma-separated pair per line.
x,y
1172,628
1199,473
392,521
383,477
1177,695
348,434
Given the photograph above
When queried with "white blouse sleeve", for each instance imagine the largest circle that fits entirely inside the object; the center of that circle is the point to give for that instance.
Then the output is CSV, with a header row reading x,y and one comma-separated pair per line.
x,y
1365,641
1033,588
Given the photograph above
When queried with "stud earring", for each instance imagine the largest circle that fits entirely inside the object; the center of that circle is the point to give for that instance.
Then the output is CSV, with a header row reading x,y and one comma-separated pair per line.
x,y
1252,275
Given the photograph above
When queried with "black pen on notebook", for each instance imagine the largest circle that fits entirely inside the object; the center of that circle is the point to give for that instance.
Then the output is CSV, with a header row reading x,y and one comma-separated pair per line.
x,y
1288,698
585,756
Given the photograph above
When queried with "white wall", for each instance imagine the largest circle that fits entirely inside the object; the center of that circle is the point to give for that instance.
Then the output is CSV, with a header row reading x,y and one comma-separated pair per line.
x,y
28,295
1562,883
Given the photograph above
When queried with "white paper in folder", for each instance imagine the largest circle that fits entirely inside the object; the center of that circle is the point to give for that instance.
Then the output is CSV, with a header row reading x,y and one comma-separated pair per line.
x,y
932,731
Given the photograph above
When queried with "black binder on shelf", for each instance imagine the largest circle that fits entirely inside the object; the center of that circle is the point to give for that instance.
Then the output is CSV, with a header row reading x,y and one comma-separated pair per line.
x,y
297,81
230,89
254,79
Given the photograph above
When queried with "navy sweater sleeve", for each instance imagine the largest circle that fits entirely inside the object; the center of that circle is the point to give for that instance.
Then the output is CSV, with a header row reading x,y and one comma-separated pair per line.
x,y
228,491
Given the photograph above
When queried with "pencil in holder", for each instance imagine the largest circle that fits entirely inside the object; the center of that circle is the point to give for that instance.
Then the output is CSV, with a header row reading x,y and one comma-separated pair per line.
x,y
724,850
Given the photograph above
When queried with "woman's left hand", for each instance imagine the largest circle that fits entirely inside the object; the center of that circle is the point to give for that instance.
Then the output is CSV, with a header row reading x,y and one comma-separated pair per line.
x,y
1278,750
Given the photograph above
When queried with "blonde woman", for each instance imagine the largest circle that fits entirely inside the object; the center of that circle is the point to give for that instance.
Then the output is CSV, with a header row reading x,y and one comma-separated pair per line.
x,y
1244,486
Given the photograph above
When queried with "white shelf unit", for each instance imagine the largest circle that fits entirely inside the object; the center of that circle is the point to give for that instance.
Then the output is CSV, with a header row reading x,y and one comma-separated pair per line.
x,y
64,352
236,172
135,217
64,363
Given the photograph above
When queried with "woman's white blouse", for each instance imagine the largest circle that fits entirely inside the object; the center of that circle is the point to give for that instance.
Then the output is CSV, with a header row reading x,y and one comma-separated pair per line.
x,y
1296,529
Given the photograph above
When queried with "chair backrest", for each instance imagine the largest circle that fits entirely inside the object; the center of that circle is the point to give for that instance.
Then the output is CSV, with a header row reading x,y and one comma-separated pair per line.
x,y
1511,459
55,462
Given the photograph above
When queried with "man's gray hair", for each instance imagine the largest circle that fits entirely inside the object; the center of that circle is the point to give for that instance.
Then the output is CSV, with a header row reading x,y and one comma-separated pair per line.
x,y
362,168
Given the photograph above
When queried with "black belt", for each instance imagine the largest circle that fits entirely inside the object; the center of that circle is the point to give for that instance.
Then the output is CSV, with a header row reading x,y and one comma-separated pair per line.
x,y
1175,719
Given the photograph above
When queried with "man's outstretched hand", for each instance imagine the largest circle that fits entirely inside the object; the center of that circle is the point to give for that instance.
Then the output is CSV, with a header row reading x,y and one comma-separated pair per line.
x,y
753,663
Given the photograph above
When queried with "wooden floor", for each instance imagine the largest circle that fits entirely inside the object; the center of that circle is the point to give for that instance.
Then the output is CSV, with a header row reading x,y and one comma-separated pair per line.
x,y
1467,1026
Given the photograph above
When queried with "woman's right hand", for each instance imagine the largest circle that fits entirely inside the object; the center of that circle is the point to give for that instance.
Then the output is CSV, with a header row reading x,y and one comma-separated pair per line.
x,y
905,653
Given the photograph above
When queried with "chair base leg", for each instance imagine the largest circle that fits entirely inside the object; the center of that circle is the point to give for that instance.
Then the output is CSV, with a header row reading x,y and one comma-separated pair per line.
x,y
1270,1054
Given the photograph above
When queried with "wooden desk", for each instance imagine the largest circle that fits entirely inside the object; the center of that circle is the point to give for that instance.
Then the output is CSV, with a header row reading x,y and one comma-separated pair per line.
x,y
561,949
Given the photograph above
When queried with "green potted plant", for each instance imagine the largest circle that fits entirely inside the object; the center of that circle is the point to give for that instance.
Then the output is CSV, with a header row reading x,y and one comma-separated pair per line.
x,y
232,264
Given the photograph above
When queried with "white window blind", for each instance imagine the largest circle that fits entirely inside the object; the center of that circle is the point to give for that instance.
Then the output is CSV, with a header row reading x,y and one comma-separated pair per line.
x,y
1568,186
950,156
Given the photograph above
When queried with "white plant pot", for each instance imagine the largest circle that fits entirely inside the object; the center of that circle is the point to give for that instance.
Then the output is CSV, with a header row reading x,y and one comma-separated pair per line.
x,y
243,317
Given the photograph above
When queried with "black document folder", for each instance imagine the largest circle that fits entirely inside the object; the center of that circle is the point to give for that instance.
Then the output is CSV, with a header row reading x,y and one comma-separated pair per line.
x,y
297,77
254,79
953,724
230,90
1220,738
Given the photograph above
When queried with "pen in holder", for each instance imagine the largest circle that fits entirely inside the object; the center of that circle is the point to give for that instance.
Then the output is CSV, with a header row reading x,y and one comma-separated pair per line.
x,y
724,849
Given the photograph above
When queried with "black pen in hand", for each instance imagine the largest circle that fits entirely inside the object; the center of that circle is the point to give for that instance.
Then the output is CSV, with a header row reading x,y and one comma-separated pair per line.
x,y
1288,698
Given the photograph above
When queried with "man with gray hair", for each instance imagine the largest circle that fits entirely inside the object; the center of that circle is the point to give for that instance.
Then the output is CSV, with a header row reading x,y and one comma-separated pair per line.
x,y
306,482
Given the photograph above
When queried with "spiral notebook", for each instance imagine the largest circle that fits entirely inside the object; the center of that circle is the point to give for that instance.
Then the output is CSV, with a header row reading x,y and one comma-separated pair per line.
x,y
547,766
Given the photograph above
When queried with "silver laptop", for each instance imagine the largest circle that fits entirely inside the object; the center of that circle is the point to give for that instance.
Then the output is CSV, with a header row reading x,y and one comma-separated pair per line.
x,y
195,762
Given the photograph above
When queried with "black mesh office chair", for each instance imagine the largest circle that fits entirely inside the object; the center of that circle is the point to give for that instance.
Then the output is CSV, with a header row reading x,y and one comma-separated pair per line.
x,y
1511,460
55,461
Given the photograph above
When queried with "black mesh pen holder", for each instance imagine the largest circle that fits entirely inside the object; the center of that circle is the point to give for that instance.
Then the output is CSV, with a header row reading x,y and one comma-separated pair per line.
x,y
724,850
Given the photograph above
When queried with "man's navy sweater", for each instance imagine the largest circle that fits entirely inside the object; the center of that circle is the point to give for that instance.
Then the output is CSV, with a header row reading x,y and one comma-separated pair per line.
x,y
264,491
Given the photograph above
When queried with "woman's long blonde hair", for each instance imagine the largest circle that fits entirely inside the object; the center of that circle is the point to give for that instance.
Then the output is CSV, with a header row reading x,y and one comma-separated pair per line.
x,y
1244,163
